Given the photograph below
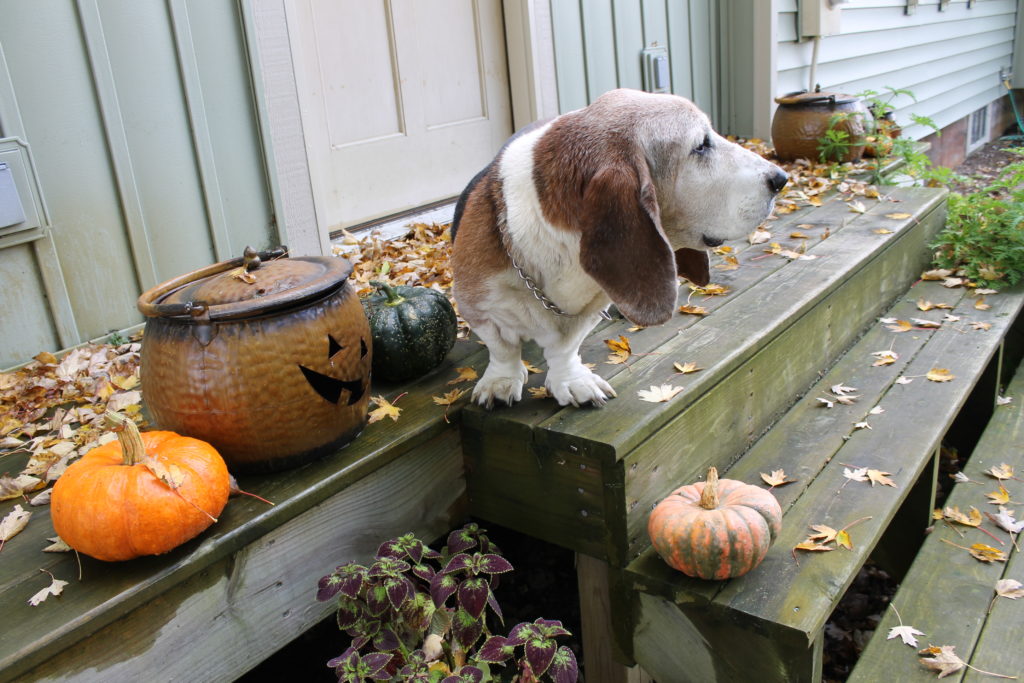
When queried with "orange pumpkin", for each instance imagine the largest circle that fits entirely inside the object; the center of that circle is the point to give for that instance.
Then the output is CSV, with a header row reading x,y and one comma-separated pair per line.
x,y
110,504
717,529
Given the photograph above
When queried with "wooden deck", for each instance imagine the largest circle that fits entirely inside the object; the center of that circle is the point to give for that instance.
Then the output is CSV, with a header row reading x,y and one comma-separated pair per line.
x,y
581,478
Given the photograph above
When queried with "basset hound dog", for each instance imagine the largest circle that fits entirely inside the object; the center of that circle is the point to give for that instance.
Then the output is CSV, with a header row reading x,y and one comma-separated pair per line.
x,y
605,204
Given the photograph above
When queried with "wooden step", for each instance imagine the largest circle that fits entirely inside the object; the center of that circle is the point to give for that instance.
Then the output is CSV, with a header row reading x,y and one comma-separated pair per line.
x,y
586,478
949,595
775,615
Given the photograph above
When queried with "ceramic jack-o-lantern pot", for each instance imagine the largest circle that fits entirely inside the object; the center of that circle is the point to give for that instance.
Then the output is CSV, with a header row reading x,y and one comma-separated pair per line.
x,y
267,358
804,118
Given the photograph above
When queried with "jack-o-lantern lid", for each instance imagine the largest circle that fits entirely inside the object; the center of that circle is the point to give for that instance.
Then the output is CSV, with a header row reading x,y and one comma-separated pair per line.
x,y
254,284
803,98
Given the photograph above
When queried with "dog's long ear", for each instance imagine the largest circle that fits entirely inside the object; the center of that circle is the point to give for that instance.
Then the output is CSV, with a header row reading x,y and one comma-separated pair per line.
x,y
623,246
694,265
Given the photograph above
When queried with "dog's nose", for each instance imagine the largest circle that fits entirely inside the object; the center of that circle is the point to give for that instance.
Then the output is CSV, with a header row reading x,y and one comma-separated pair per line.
x,y
777,180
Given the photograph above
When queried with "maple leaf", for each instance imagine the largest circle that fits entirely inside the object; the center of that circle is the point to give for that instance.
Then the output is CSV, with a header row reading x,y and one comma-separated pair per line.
x,y
927,324
954,514
900,326
709,289
861,425
539,392
759,236
1000,497
940,375
882,231
171,475
1009,588
449,398
383,409
981,305
960,477
693,310
904,380
825,534
16,487
797,236
1001,471
952,282
857,206
943,660
887,357
905,633
728,263
843,539
466,374
658,394
898,216
685,368
533,369
57,545
811,546
840,390
986,291
620,350
826,402
879,477
877,410
858,474
13,523
776,478
986,553
1005,521
1004,400
984,327
55,588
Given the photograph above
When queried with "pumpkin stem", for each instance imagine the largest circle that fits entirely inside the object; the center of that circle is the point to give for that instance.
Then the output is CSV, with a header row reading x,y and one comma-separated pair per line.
x,y
709,494
132,448
394,298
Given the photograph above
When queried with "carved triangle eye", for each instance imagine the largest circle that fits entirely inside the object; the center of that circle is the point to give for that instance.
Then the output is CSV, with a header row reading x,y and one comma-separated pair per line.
x,y
333,346
362,348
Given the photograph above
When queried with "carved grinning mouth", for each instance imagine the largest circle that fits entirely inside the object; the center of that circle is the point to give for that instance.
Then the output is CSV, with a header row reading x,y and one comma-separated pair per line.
x,y
330,388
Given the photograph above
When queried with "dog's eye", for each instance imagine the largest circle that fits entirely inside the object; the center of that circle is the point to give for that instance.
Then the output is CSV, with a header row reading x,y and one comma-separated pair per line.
x,y
704,147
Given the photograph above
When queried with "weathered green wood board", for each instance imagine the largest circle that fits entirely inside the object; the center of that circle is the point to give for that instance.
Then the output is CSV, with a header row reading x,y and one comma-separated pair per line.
x,y
563,474
947,593
423,499
787,598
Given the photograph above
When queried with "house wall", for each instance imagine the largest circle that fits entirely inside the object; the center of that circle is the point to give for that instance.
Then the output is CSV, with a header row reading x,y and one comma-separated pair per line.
x,y
139,119
597,45
949,59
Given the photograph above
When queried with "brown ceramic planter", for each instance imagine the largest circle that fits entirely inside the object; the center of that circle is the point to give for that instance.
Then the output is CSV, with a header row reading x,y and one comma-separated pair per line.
x,y
803,118
273,373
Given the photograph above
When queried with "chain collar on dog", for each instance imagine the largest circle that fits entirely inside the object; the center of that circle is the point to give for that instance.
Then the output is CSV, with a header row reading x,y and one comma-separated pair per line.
x,y
538,293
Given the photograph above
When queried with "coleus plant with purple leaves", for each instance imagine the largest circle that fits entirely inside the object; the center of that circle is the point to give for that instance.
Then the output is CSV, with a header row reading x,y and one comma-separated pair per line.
x,y
416,614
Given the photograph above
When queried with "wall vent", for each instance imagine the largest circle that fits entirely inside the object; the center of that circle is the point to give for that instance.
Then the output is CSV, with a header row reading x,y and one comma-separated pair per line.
x,y
977,129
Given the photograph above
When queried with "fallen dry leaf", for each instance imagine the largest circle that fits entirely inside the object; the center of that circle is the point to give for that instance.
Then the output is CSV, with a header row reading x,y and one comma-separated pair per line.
x,y
693,310
954,514
879,477
905,633
943,660
984,327
882,231
886,357
620,350
926,324
539,392
55,588
981,305
1004,519
659,394
759,236
823,533
900,326
812,546
533,369
898,216
384,409
16,487
685,368
449,398
843,539
13,523
1000,471
904,380
938,274
987,553
940,375
466,374
57,545
857,206
1000,497
857,474
1009,588
776,478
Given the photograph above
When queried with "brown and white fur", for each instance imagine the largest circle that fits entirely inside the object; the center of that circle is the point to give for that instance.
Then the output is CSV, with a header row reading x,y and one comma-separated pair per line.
x,y
603,204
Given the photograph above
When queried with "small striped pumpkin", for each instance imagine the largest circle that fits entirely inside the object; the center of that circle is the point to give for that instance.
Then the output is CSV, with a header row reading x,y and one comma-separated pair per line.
x,y
715,529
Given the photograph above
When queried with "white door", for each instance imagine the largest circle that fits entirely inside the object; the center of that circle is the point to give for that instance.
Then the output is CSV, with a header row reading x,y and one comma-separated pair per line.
x,y
402,101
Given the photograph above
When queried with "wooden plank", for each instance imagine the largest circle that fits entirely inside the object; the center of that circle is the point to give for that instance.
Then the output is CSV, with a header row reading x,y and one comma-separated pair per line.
x,y
116,590
249,604
570,48
901,441
947,593
598,35
629,41
599,642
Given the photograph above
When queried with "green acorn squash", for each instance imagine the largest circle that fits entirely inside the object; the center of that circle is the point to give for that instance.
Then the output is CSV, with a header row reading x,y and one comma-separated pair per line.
x,y
413,329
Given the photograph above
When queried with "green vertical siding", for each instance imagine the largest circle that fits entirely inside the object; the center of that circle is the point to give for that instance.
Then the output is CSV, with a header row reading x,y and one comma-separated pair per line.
x,y
598,45
140,121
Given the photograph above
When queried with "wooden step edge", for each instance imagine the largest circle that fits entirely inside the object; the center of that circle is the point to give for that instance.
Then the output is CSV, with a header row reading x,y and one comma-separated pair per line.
x,y
917,414
966,586
834,212
625,422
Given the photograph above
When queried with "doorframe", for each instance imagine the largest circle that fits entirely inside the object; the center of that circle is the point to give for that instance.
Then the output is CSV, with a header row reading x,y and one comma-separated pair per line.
x,y
299,216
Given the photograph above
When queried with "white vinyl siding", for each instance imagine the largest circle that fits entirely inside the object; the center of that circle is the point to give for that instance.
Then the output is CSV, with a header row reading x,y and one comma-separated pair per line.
x,y
949,59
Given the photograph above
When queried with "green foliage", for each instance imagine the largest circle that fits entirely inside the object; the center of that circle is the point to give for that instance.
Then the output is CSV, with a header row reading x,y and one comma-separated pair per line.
x,y
835,143
116,339
983,235
416,614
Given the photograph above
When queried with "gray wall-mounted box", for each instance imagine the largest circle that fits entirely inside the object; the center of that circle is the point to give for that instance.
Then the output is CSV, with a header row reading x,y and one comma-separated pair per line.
x,y
11,211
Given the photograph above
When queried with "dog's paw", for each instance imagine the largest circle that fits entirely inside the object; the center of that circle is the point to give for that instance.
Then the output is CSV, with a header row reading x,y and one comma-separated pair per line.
x,y
579,388
499,387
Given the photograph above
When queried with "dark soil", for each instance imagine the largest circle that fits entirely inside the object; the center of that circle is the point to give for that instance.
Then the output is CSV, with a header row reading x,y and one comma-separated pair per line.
x,y
544,581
